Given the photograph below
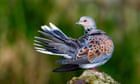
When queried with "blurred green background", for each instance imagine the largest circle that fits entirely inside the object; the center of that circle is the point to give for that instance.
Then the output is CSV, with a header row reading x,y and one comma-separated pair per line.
x,y
21,19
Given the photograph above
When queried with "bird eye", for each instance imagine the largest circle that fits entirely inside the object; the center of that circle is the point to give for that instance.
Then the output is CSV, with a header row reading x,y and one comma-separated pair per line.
x,y
85,20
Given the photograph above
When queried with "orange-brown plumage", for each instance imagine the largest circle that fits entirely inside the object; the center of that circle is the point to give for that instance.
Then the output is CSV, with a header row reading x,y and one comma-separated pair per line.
x,y
98,45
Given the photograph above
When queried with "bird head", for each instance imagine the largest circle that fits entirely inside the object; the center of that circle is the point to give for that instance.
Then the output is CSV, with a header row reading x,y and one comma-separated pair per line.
x,y
86,22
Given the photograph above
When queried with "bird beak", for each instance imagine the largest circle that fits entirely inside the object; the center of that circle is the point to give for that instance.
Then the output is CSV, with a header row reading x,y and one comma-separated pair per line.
x,y
77,23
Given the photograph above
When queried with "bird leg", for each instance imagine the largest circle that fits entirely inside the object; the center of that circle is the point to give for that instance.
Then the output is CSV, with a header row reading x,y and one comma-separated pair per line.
x,y
95,70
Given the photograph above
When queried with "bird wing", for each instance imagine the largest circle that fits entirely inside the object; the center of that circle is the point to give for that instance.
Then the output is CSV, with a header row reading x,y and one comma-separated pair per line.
x,y
99,48
53,41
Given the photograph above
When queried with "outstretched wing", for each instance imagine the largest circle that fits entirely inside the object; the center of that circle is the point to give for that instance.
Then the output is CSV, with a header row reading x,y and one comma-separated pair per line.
x,y
55,42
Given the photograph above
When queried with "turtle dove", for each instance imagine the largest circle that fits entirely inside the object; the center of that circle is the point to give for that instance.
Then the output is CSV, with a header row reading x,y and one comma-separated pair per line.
x,y
91,50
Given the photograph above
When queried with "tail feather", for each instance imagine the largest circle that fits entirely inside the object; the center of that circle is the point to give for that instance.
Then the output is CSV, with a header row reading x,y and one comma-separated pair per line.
x,y
55,42
48,45
43,40
57,35
51,53
57,31
67,68
54,31
50,35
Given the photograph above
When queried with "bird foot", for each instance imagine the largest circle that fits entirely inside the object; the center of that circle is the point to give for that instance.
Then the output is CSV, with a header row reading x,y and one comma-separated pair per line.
x,y
95,70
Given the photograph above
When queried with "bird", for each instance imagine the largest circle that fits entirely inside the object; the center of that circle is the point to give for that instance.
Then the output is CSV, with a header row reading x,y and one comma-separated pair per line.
x,y
94,48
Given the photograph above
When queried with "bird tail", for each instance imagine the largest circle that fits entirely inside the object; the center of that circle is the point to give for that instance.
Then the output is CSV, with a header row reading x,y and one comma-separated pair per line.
x,y
54,42
67,68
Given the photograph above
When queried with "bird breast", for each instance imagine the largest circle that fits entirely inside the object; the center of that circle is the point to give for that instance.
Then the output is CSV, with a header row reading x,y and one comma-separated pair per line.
x,y
100,45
